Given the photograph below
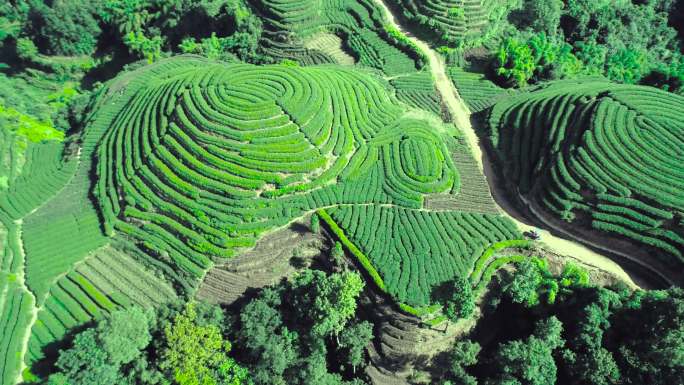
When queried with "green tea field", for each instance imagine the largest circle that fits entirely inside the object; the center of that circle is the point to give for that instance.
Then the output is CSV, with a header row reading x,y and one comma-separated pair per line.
x,y
341,192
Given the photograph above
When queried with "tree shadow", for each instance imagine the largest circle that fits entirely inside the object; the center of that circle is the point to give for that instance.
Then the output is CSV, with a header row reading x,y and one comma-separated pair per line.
x,y
300,228
299,262
45,366
441,292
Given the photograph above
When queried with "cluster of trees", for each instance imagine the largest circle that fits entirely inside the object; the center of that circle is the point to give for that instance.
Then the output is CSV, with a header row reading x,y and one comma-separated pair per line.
x,y
532,284
590,335
539,58
150,27
627,41
307,331
145,28
53,53
179,344
303,331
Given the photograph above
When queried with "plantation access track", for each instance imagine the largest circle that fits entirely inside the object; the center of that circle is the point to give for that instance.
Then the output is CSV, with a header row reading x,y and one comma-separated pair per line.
x,y
461,117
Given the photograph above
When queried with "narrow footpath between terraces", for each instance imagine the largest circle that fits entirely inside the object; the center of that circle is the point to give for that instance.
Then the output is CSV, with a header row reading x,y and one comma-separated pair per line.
x,y
461,118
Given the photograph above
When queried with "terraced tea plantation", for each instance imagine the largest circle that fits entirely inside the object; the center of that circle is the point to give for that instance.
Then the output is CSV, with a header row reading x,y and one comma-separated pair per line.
x,y
293,32
305,192
200,163
600,156
453,21
187,162
214,158
415,251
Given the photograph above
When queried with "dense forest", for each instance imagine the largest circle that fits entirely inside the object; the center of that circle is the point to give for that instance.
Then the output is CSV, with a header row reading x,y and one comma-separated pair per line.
x,y
311,331
529,41
257,192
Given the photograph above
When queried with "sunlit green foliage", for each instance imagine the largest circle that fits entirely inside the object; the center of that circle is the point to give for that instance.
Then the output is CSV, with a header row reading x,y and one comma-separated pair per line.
x,y
176,345
627,66
28,126
541,57
515,62
197,354
143,46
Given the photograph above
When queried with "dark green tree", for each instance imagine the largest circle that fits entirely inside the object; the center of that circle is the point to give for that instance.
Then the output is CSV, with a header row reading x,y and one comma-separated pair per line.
x,y
531,361
98,354
353,340
127,15
329,301
587,361
463,355
524,285
545,15
288,331
651,337
69,28
461,302
270,344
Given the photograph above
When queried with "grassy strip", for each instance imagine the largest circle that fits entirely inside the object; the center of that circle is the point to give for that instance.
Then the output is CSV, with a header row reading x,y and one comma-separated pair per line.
x,y
482,260
493,267
30,127
437,320
365,262
420,311
408,46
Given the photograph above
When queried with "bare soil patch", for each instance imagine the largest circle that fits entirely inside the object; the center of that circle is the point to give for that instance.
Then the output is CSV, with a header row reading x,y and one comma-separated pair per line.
x,y
277,255
332,45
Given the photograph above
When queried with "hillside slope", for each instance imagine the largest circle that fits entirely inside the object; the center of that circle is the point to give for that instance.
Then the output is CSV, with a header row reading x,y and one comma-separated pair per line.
x,y
467,23
201,163
600,156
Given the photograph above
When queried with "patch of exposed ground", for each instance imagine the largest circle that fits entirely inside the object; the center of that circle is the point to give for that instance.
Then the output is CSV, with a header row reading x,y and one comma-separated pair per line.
x,y
405,350
555,237
331,45
276,255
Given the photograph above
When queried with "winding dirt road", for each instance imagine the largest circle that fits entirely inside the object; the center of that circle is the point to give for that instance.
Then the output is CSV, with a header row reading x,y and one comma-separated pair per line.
x,y
461,117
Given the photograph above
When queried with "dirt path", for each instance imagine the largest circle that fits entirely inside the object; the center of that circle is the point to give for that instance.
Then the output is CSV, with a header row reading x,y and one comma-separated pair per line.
x,y
457,108
21,279
461,117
